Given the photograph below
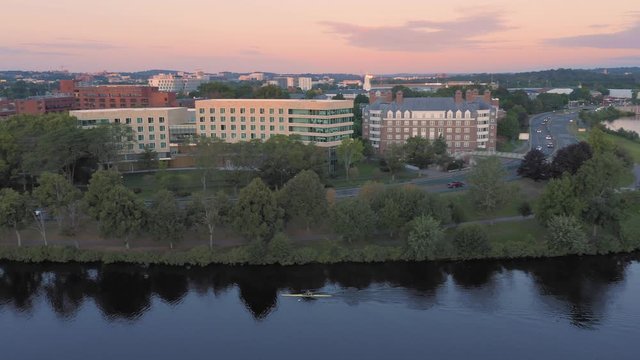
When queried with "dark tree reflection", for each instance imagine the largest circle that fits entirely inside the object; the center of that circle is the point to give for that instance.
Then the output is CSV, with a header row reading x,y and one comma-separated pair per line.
x,y
19,286
123,292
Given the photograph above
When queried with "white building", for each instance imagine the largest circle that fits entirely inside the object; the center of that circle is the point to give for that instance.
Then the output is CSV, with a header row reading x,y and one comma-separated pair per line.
x,y
560,91
621,93
367,82
181,83
305,83
255,76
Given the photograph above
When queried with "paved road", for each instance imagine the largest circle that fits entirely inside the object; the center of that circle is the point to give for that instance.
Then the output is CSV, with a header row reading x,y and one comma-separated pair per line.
x,y
555,131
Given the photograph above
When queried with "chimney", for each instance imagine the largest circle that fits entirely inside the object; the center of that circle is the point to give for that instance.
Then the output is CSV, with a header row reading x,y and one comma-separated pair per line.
x,y
487,96
468,96
458,97
474,95
399,97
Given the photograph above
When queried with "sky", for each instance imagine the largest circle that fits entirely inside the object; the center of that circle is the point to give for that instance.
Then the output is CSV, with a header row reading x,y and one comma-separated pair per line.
x,y
296,36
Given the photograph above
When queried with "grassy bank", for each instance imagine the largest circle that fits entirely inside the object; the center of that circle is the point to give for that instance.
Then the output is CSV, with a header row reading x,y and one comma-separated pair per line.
x,y
523,239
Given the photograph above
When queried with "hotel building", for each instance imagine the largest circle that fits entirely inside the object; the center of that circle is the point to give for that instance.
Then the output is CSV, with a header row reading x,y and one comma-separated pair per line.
x,y
466,124
151,126
323,122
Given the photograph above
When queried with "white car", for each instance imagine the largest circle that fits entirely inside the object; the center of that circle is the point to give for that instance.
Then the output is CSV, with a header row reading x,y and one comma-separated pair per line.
x,y
539,130
548,137
539,148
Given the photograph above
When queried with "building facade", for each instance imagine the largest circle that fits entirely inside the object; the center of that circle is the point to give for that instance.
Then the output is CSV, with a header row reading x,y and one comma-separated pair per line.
x,y
116,96
150,126
184,83
323,122
466,124
38,105
305,83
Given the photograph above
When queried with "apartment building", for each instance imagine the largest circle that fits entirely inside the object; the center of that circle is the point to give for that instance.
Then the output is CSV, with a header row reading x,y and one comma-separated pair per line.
x,y
323,122
151,126
116,96
305,83
466,124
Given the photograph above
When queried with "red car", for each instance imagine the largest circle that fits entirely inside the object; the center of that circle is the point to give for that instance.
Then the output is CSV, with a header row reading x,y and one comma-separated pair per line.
x,y
455,184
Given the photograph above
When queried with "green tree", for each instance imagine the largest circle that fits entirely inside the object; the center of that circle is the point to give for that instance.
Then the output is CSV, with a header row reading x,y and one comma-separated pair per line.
x,y
353,219
424,234
570,158
599,142
349,152
60,198
121,214
208,156
419,152
166,218
284,156
14,212
209,212
358,103
100,184
534,166
304,198
558,198
566,235
394,159
471,241
271,92
148,158
107,143
279,249
488,188
257,215
338,97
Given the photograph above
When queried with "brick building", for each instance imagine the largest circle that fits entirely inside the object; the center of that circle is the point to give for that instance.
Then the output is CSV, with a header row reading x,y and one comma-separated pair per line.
x,y
38,105
466,124
116,96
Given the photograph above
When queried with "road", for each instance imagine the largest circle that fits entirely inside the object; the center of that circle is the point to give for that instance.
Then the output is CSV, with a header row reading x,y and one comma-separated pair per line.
x,y
555,131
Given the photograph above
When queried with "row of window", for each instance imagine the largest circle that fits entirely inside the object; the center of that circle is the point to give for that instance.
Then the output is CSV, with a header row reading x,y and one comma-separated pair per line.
x,y
431,123
150,120
242,119
163,145
151,128
152,137
241,111
242,127
449,130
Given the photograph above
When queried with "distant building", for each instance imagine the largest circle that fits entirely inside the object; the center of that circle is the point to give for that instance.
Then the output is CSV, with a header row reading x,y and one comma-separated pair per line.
x,y
621,93
116,96
560,91
181,83
348,83
367,82
38,105
347,93
466,124
256,76
151,126
305,83
323,122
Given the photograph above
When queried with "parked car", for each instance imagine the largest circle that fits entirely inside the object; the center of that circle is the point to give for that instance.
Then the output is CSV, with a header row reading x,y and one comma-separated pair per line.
x,y
550,145
455,184
539,148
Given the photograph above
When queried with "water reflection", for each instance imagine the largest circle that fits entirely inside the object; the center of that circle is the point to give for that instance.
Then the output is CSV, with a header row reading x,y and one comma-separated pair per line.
x,y
575,288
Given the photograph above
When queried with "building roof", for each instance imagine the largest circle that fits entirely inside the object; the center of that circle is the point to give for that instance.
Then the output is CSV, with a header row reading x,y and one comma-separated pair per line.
x,y
125,109
430,104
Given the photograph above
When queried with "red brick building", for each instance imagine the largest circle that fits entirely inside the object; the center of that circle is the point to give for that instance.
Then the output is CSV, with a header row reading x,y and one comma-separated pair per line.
x,y
116,96
7,108
37,105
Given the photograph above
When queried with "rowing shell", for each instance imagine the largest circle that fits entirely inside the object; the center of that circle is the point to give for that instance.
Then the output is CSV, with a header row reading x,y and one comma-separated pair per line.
x,y
308,295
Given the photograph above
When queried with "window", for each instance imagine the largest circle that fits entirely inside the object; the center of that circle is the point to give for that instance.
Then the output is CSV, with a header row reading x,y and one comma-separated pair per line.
x,y
141,146
223,119
253,119
161,120
243,127
223,136
222,110
243,119
213,127
152,137
272,128
212,118
233,135
212,110
242,110
139,120
150,120
233,127
262,127
233,119
163,128
261,118
201,110
253,127
223,127
163,136
252,111
281,119
140,137
261,110
128,120
271,111
140,128
201,118
281,111
152,145
233,110
163,145
203,127
243,136
281,127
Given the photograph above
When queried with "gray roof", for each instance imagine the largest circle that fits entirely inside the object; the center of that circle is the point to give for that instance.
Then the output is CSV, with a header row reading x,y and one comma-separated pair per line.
x,y
430,104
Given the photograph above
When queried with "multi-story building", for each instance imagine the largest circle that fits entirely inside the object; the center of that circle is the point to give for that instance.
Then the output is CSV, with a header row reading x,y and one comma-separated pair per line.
x,y
38,105
150,126
181,83
7,107
324,122
305,83
255,76
466,124
116,96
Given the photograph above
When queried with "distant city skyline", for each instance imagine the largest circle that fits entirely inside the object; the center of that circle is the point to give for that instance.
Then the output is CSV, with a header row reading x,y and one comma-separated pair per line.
x,y
410,36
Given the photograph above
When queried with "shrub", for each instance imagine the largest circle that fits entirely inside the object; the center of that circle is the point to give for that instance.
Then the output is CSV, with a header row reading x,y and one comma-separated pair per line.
x,y
424,234
470,242
525,209
566,235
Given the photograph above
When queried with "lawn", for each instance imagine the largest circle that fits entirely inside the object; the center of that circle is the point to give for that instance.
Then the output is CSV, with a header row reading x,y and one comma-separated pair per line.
x,y
518,238
631,146
368,171
525,190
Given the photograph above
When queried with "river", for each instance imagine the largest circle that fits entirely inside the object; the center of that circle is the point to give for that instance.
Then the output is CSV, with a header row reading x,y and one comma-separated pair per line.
x,y
566,308
628,123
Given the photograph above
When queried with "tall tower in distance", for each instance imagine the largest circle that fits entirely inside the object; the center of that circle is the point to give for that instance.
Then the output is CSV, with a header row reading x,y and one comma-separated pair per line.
x,y
367,82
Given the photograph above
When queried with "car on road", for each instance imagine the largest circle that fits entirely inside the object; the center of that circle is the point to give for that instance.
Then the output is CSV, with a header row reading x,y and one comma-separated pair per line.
x,y
455,184
539,148
550,145
539,130
548,137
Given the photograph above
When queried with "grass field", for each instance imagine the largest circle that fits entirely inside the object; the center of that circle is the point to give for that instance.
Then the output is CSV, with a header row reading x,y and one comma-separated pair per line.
x,y
631,146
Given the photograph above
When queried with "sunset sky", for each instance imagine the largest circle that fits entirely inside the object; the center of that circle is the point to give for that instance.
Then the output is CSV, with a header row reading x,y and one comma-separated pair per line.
x,y
289,36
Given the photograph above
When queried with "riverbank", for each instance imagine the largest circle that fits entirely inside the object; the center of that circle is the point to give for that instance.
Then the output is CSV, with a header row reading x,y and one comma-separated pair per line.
x,y
507,240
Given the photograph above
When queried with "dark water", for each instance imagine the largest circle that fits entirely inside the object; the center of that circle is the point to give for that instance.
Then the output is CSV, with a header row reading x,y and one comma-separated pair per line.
x,y
571,308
